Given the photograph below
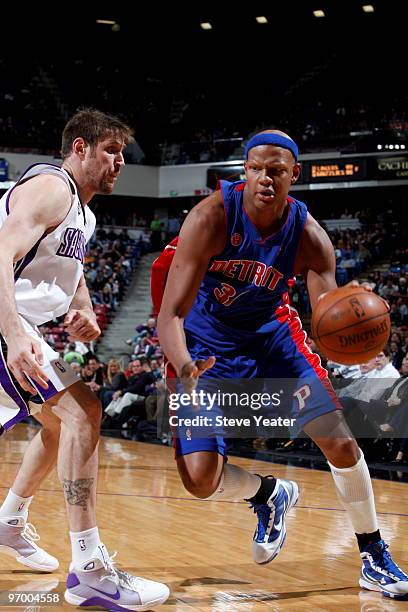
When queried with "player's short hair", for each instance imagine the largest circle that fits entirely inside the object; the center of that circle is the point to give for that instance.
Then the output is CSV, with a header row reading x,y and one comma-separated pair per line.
x,y
93,126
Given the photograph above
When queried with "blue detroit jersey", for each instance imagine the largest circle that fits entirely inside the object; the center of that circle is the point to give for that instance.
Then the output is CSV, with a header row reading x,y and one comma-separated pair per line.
x,y
248,281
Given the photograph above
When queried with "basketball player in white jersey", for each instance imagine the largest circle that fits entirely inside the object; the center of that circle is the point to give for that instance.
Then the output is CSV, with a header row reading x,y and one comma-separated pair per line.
x,y
44,226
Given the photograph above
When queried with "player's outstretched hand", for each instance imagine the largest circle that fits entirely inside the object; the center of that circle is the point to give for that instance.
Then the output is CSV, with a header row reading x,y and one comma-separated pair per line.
x,y
81,325
24,358
355,283
192,370
366,287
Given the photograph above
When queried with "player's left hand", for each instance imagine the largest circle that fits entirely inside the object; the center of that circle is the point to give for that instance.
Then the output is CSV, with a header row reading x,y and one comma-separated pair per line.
x,y
192,370
81,325
367,287
355,283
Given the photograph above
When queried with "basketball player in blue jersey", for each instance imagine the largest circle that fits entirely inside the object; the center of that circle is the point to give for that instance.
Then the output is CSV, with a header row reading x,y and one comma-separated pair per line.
x,y
45,223
226,314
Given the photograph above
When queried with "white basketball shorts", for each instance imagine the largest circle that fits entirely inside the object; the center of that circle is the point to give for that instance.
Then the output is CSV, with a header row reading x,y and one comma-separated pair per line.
x,y
16,403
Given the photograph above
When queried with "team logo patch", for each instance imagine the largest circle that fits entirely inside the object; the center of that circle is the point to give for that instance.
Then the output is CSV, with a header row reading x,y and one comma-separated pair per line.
x,y
59,366
188,434
236,239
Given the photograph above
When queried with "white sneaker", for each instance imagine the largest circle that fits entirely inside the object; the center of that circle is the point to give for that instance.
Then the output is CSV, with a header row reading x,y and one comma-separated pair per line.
x,y
17,539
270,533
97,582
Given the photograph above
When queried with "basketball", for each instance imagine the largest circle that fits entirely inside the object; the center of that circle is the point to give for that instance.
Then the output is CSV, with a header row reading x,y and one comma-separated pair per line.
x,y
351,325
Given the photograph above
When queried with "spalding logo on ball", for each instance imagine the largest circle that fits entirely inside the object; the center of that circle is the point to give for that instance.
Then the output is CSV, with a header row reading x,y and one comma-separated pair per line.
x,y
351,325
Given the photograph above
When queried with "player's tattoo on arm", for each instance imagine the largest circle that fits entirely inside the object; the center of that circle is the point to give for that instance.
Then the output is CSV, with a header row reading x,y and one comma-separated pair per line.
x,y
77,492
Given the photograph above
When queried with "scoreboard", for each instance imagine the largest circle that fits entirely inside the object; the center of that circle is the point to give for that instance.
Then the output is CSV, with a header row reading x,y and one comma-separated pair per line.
x,y
335,170
348,169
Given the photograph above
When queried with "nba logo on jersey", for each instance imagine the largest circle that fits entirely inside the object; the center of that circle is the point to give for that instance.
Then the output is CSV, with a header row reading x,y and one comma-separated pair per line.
x,y
60,366
188,434
236,239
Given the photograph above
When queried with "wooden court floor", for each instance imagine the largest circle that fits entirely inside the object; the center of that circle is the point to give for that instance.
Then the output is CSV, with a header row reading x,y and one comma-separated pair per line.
x,y
202,550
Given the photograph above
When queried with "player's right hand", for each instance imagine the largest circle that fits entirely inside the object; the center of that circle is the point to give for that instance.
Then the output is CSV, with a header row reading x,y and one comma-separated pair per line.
x,y
24,357
192,370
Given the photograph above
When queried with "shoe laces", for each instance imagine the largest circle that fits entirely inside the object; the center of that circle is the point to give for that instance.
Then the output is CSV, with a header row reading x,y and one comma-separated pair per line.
x,y
30,533
264,514
120,577
385,561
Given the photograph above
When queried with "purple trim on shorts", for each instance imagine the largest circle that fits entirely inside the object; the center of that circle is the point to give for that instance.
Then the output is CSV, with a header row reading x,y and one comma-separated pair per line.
x,y
8,386
45,394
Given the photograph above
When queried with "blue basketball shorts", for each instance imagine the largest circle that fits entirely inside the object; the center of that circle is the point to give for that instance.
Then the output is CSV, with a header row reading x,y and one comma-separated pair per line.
x,y
277,361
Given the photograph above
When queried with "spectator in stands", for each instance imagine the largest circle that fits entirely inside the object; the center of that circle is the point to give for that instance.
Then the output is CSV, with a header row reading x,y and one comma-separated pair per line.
x,y
386,291
396,401
114,382
403,311
396,355
76,367
377,376
97,370
107,297
156,227
137,383
404,347
73,355
155,368
344,371
348,263
173,227
142,331
395,314
87,374
402,286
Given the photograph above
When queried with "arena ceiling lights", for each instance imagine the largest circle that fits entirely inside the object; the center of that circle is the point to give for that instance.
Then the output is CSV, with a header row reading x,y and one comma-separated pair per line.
x,y
261,19
206,25
368,8
319,13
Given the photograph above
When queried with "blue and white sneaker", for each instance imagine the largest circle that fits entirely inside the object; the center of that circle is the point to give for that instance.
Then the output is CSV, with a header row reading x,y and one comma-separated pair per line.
x,y
98,583
270,533
380,573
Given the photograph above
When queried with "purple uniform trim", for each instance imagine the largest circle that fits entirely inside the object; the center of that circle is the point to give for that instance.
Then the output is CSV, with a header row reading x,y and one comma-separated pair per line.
x,y
27,259
45,394
9,387
21,178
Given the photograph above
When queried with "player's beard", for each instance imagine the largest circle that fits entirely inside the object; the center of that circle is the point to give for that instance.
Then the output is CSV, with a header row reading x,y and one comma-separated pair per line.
x,y
105,186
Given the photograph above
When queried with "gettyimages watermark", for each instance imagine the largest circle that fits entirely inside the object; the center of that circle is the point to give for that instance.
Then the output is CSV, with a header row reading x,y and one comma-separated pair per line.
x,y
280,408
236,408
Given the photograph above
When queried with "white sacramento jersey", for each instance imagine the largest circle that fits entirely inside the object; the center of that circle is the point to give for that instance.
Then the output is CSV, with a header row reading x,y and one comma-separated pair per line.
x,y
47,278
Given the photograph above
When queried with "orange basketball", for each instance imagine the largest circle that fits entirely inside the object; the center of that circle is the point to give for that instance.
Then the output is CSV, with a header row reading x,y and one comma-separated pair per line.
x,y
351,325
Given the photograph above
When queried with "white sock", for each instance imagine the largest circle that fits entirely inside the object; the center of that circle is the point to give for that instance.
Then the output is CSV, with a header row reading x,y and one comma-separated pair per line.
x,y
83,544
355,490
14,505
236,483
